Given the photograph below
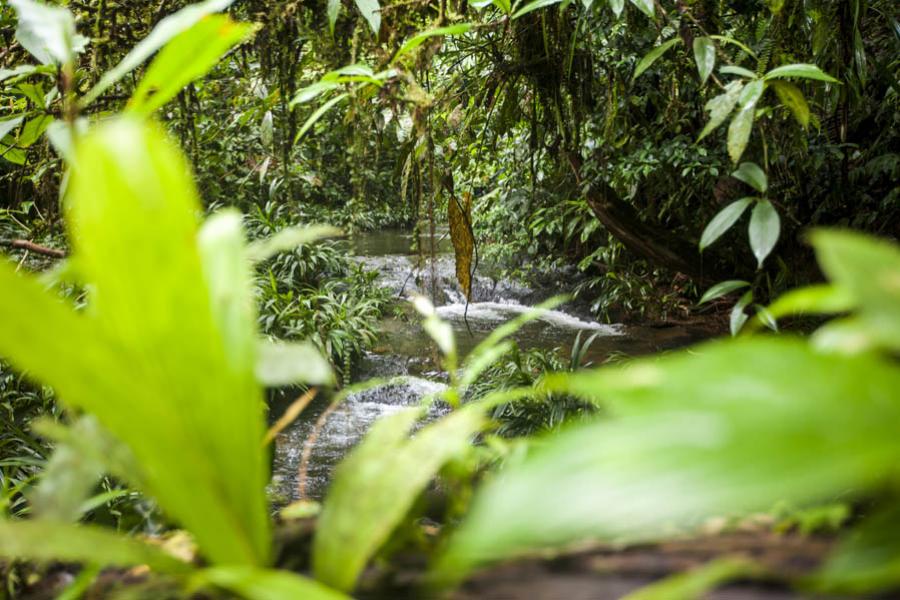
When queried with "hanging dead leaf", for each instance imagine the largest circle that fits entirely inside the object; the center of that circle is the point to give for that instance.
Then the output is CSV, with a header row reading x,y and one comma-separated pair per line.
x,y
460,216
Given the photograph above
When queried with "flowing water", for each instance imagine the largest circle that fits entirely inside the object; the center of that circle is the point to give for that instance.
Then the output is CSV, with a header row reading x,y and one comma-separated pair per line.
x,y
403,349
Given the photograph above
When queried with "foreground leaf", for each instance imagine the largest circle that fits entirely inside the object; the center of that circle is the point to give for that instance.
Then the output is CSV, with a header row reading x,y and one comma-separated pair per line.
x,y
376,485
47,32
48,541
265,584
758,427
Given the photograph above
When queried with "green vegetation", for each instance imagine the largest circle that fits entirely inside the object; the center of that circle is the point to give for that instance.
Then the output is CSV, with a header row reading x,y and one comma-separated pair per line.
x,y
170,177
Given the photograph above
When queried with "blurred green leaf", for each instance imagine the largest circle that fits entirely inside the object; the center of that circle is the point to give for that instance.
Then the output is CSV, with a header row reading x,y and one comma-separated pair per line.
x,y
756,428
418,39
371,12
47,32
265,584
698,582
48,541
376,485
282,363
187,57
792,98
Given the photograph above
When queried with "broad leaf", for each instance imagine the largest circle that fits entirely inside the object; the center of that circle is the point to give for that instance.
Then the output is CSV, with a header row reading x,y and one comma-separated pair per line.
x,y
792,98
164,31
617,7
704,56
48,541
869,270
756,428
651,57
374,488
802,71
752,175
721,106
723,221
333,9
47,32
868,559
371,12
739,132
189,56
721,289
765,227
459,214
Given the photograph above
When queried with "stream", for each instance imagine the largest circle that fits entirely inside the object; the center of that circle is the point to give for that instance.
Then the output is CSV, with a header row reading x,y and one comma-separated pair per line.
x,y
403,349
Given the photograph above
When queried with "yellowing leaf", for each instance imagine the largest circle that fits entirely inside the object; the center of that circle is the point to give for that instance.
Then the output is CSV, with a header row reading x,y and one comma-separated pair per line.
x,y
460,216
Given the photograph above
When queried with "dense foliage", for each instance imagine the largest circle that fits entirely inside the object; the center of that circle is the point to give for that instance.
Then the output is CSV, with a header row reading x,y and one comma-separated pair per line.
x,y
162,169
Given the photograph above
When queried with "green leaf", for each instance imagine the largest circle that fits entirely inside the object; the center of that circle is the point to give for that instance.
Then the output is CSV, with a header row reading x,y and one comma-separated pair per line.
x,y
723,221
721,289
266,130
752,175
735,70
371,12
333,9
194,416
645,6
47,541
697,582
721,106
651,56
739,132
757,427
533,6
265,584
738,317
9,125
765,227
868,559
313,91
617,7
283,363
47,32
376,485
823,299
189,56
704,56
869,270
165,30
803,71
418,39
33,130
729,40
792,98
313,118
289,238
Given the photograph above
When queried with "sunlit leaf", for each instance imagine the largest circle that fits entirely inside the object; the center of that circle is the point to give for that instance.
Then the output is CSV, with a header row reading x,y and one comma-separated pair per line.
x,y
333,9
165,30
756,428
765,227
189,56
376,485
723,221
792,98
47,32
48,541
